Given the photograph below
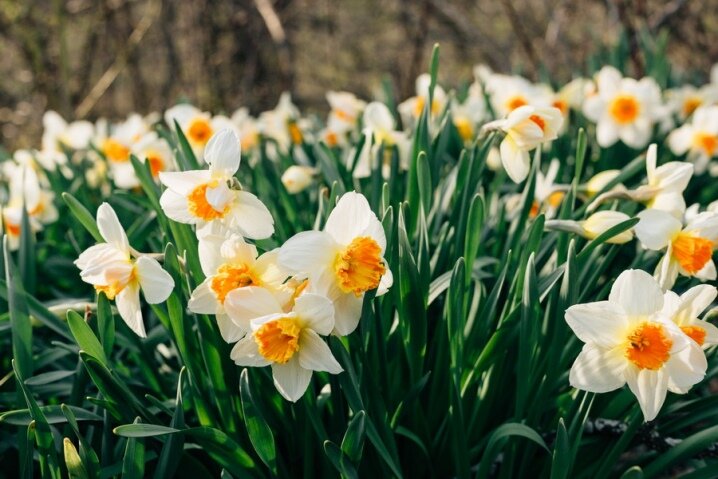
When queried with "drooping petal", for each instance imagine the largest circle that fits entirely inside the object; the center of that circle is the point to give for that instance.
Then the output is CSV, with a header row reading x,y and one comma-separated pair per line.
x,y
347,312
229,330
637,293
516,162
203,299
315,355
251,217
597,323
598,370
128,305
686,368
157,284
291,379
649,387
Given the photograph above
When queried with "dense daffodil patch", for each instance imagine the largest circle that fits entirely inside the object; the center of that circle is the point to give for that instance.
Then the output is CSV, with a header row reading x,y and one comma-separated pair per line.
x,y
503,279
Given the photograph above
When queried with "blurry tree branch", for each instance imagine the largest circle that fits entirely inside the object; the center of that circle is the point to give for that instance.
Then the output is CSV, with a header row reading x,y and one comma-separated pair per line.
x,y
523,37
120,62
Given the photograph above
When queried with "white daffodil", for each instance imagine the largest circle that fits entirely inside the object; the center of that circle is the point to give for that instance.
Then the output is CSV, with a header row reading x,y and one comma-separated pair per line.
x,y
685,100
288,341
230,263
594,226
526,128
685,309
197,126
346,109
599,181
688,250
628,339
110,268
410,109
624,109
282,123
507,93
297,178
664,188
200,197
346,259
154,151
699,138
58,135
248,130
379,130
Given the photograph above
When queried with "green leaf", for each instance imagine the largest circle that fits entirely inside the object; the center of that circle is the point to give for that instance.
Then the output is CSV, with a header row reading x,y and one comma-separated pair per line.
x,y
75,469
83,216
260,435
353,441
172,450
53,415
19,318
144,430
686,449
561,463
497,439
133,463
85,338
340,460
633,473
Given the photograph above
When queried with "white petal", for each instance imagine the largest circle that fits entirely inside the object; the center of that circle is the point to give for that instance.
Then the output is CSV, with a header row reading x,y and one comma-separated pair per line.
x,y
219,196
686,368
637,293
597,370
696,300
347,312
290,379
315,355
183,182
680,139
516,162
649,387
667,270
128,305
229,330
316,311
606,133
707,272
245,304
352,217
656,228
308,252
210,252
222,152
598,323
204,300
251,217
110,227
386,282
246,353
157,284
175,207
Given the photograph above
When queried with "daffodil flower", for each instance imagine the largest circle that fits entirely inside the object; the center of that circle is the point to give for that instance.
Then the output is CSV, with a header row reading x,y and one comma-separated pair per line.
x,y
664,188
200,197
699,138
230,263
688,250
297,178
526,127
346,259
628,339
380,130
197,126
411,109
624,109
594,226
111,269
288,341
685,309
346,109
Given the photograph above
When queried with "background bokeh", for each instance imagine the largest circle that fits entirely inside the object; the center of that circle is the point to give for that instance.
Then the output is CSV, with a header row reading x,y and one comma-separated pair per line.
x,y
93,58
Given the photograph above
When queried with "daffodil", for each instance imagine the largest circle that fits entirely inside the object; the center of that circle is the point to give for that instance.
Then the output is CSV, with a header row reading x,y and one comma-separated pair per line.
x,y
197,126
526,128
594,226
282,123
346,109
508,93
288,341
624,109
111,269
698,138
346,259
380,131
297,178
685,100
468,115
685,309
410,109
629,339
229,263
688,250
201,197
59,135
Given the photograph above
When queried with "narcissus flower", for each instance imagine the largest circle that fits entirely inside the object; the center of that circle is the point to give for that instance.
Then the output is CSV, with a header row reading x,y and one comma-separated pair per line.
x,y
699,138
624,109
229,263
59,135
685,309
111,269
346,109
197,126
466,116
346,259
379,131
629,339
204,196
688,250
526,128
297,178
594,226
288,341
410,109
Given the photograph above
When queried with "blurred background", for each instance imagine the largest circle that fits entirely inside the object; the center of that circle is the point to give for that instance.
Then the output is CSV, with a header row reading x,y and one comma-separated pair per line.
x,y
107,58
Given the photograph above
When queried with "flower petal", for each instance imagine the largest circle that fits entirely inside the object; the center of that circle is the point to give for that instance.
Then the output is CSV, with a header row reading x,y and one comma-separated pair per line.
x,y
649,387
248,303
637,293
223,153
157,284
110,227
656,228
315,355
246,353
291,379
597,370
251,217
316,311
597,323
128,305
